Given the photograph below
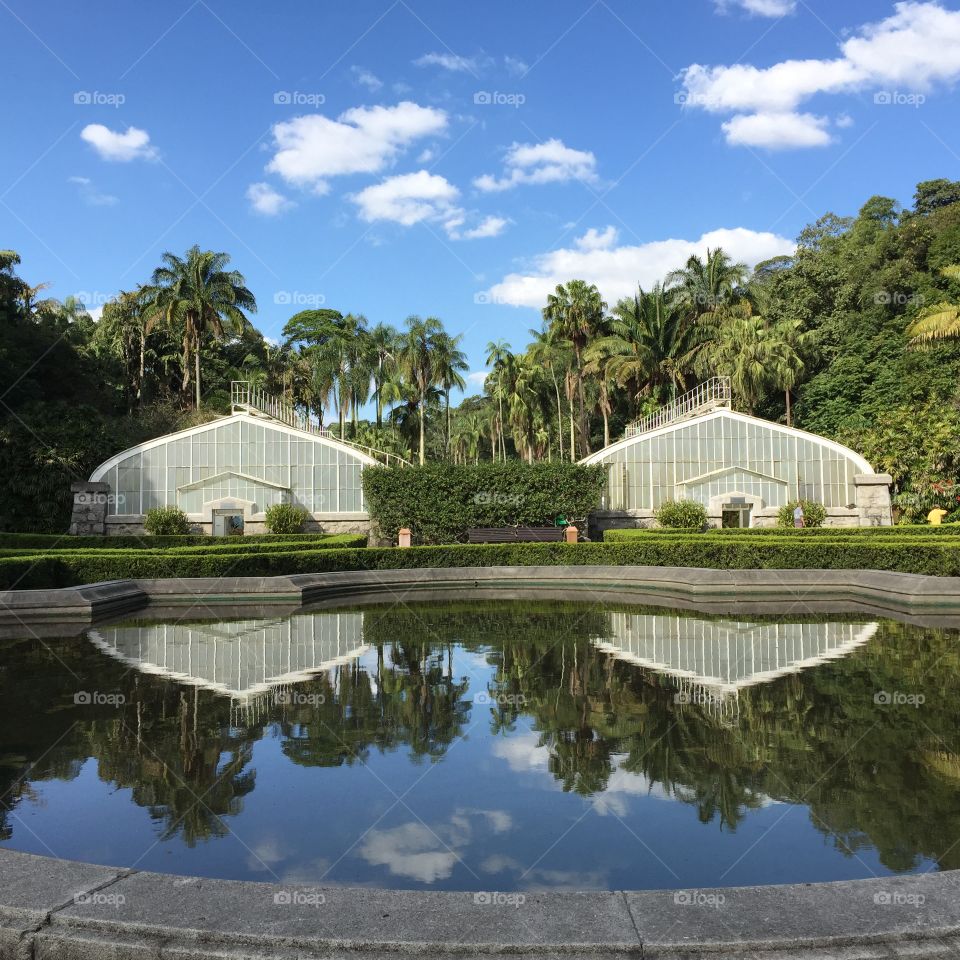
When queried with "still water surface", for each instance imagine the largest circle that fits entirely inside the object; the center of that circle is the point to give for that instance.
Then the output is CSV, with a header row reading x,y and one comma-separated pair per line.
x,y
488,746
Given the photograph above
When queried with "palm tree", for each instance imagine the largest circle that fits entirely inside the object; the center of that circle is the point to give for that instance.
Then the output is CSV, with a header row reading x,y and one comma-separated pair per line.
x,y
498,358
577,311
197,296
451,362
941,321
419,347
382,347
553,353
123,327
704,285
651,346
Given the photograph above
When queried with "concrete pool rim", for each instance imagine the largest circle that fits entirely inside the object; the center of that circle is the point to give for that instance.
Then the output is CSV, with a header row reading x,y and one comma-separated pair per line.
x,y
58,908
52,908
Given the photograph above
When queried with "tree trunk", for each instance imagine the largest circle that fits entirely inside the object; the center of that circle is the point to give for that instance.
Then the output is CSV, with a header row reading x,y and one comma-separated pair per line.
x,y
423,406
446,442
573,452
196,363
556,388
143,353
606,428
787,395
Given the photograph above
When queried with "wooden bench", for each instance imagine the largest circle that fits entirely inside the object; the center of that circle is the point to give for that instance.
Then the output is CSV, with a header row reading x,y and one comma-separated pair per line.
x,y
515,535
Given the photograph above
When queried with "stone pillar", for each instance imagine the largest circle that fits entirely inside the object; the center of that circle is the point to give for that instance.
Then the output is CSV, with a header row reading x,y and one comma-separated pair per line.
x,y
571,534
89,508
873,499
403,537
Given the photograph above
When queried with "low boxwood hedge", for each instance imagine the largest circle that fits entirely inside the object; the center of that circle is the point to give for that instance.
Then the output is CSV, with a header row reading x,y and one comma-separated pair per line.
x,y
54,541
790,532
939,558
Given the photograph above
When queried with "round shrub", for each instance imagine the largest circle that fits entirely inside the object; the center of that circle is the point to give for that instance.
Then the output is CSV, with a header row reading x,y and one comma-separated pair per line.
x,y
166,521
682,515
286,518
814,514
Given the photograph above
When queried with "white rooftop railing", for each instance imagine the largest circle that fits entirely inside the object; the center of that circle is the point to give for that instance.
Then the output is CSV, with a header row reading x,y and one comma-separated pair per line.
x,y
245,396
712,393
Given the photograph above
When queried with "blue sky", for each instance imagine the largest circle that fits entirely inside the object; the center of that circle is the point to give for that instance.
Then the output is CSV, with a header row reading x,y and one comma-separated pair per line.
x,y
454,159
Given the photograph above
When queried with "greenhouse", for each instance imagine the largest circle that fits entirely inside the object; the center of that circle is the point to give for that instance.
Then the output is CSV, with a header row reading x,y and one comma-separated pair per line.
x,y
740,468
225,475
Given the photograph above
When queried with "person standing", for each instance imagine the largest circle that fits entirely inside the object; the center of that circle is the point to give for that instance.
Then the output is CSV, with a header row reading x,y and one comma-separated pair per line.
x,y
798,516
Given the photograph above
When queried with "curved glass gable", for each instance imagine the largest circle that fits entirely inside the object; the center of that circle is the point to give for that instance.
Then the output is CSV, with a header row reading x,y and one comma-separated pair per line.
x,y
728,453
238,457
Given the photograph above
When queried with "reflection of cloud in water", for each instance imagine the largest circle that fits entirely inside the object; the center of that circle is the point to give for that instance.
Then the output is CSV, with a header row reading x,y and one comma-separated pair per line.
x,y
278,858
621,785
410,850
499,863
429,854
523,752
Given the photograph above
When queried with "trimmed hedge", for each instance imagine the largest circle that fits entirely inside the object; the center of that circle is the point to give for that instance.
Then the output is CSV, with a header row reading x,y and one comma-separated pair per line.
x,y
227,546
55,541
934,558
791,532
439,502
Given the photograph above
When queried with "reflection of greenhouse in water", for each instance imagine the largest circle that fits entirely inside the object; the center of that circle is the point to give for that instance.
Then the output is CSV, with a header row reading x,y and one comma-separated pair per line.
x,y
241,659
711,661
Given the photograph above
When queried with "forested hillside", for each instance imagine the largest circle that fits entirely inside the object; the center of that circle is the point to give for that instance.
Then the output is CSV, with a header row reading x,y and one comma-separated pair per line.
x,y
854,337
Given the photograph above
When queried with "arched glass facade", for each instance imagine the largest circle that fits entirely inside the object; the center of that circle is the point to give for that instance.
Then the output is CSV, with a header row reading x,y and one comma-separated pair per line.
x,y
727,453
239,457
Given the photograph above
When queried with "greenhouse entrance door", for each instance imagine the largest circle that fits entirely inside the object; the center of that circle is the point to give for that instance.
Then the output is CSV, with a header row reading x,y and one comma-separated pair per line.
x,y
227,523
736,515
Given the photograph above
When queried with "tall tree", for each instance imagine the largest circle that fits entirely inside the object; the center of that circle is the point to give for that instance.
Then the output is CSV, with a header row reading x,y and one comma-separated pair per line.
x,y
198,296
419,346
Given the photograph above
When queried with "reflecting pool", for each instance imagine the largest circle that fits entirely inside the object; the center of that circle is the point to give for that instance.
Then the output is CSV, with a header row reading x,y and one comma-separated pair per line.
x,y
489,745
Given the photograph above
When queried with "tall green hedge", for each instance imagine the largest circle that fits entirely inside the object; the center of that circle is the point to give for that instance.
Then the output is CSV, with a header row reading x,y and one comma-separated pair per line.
x,y
932,556
440,502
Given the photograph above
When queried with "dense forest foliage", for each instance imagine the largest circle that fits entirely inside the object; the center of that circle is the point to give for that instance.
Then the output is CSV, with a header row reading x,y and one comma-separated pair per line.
x,y
853,338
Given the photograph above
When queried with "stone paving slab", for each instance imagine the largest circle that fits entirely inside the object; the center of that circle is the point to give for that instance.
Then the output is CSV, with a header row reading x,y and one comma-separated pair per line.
x,y
31,888
159,908
843,912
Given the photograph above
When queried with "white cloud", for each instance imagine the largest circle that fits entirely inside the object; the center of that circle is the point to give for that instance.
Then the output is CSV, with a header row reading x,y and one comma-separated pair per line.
x,y
448,61
489,227
915,48
478,377
777,131
425,156
133,144
408,199
312,148
515,66
844,121
366,78
617,270
264,199
549,162
90,195
523,752
760,8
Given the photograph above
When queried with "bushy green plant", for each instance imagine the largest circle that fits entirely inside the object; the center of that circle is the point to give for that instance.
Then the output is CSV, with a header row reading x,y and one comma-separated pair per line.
x,y
166,521
286,518
814,514
682,515
439,502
